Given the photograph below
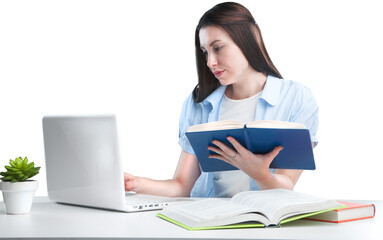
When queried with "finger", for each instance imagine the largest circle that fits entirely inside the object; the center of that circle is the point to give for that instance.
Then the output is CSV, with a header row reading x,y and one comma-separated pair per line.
x,y
219,151
129,182
128,177
271,155
240,149
230,152
129,186
228,160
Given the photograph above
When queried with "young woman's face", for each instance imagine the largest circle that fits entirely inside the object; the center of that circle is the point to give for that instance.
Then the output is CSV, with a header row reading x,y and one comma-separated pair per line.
x,y
224,58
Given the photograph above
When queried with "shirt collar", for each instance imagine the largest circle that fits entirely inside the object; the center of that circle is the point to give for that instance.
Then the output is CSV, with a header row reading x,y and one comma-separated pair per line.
x,y
270,92
215,97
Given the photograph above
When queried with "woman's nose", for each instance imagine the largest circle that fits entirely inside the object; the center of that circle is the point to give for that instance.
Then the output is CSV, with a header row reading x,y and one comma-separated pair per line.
x,y
211,61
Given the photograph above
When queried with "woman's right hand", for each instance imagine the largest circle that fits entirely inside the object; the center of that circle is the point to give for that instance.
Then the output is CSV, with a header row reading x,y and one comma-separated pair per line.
x,y
187,172
130,182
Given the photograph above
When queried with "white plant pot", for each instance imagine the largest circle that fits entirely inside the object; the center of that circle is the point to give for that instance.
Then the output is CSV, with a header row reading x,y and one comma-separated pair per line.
x,y
18,196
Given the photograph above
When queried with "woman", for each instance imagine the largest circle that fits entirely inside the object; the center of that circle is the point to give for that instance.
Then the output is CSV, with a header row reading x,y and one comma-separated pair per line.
x,y
236,81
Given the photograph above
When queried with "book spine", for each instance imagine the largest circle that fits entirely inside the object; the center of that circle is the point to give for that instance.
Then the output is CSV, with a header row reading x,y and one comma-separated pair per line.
x,y
247,138
274,225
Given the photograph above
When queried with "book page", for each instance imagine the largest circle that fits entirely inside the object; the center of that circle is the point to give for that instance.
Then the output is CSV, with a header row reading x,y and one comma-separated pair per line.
x,y
274,124
211,208
211,212
219,125
278,204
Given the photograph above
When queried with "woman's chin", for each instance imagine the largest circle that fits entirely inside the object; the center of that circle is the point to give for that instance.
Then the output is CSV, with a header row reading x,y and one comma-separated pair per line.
x,y
224,82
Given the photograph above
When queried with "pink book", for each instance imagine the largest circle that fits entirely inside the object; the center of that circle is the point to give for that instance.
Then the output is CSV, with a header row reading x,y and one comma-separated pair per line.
x,y
353,212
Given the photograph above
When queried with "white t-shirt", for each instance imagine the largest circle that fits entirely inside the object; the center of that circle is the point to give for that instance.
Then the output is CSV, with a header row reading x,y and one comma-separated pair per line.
x,y
228,183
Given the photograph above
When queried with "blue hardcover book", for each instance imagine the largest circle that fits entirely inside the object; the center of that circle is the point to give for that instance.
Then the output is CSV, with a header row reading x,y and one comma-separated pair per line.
x,y
259,137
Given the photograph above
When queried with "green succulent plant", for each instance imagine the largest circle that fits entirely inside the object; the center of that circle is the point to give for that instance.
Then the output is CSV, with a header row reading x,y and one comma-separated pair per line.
x,y
19,170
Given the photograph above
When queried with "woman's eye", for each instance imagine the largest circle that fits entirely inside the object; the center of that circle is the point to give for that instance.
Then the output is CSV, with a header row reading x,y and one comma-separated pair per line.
x,y
217,48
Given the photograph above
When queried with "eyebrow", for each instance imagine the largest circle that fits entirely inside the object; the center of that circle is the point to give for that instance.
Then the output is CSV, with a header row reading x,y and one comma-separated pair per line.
x,y
211,44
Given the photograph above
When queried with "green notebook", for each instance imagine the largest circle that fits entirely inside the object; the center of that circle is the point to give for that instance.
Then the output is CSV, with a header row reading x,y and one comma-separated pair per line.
x,y
267,208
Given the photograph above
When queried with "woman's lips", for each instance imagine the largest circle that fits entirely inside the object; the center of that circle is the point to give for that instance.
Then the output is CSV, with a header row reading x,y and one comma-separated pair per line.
x,y
218,73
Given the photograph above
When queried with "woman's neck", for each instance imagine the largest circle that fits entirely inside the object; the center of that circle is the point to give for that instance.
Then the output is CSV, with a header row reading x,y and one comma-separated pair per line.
x,y
248,87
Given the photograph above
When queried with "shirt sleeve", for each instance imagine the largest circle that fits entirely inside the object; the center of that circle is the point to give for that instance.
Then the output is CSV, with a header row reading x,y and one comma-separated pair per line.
x,y
307,112
186,120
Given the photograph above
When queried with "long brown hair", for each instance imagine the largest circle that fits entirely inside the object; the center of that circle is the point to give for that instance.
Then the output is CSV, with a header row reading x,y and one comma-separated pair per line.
x,y
238,22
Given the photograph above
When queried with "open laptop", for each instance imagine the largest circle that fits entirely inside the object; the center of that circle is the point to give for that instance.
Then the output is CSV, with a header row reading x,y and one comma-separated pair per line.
x,y
83,165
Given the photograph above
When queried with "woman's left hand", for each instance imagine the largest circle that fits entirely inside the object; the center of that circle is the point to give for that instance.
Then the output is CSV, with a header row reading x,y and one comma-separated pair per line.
x,y
254,165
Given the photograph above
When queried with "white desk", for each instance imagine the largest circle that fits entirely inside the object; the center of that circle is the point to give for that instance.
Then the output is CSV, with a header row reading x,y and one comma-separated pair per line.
x,y
52,220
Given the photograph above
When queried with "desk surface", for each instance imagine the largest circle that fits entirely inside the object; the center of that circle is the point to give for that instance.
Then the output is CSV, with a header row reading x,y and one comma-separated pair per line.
x,y
52,220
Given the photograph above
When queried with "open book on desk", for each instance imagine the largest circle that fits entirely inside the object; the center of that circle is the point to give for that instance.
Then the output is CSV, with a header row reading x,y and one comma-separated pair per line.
x,y
247,209
259,137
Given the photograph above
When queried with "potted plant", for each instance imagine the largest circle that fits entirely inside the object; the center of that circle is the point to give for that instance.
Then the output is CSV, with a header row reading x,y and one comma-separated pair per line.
x,y
18,191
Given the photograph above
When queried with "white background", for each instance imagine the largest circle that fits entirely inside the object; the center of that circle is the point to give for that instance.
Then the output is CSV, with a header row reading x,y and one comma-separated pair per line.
x,y
136,59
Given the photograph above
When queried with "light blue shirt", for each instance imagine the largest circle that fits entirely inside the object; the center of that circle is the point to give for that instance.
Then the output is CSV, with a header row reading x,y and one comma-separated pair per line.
x,y
282,100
